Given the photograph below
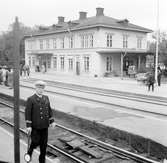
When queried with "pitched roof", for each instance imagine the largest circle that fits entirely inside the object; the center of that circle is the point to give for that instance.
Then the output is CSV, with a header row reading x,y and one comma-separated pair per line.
x,y
91,22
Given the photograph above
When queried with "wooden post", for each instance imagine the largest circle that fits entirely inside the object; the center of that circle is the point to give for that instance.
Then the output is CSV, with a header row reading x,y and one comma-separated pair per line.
x,y
121,66
16,57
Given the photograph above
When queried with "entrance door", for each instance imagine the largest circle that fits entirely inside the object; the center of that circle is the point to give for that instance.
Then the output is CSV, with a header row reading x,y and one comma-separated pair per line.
x,y
127,62
44,60
109,64
78,68
77,65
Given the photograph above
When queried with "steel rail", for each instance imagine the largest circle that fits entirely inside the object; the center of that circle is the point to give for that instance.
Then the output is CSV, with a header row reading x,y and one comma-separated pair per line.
x,y
56,148
105,145
115,149
102,102
109,93
111,147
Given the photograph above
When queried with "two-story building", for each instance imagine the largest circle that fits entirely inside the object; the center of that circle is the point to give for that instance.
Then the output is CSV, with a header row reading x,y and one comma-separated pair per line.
x,y
89,46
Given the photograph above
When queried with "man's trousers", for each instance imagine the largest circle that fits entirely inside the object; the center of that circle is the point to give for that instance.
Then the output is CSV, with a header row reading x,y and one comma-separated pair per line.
x,y
39,137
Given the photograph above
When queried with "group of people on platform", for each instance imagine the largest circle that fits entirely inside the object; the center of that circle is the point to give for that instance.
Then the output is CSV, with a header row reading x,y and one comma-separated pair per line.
x,y
6,76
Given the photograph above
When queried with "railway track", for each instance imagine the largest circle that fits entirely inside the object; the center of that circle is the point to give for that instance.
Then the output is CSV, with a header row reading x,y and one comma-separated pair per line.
x,y
82,148
156,101
105,92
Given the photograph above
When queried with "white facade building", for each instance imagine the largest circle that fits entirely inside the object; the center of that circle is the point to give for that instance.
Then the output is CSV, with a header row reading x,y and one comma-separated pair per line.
x,y
89,46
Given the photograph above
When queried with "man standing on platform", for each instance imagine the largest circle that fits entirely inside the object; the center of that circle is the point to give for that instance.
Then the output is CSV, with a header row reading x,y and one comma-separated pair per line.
x,y
159,76
38,116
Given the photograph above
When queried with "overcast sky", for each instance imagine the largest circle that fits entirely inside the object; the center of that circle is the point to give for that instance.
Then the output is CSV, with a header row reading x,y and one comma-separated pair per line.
x,y
45,12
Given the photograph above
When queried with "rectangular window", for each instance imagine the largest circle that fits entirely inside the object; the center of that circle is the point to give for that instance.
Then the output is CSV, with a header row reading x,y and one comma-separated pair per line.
x,y
87,41
55,62
54,43
71,42
82,41
70,60
109,64
86,64
109,40
125,41
41,44
62,43
30,45
91,41
62,63
47,44
139,43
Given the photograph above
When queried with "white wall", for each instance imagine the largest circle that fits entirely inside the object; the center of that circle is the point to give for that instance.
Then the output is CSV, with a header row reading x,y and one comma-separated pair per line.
x,y
97,61
118,38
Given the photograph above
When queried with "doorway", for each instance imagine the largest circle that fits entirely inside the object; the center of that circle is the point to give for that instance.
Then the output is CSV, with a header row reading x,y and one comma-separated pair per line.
x,y
44,60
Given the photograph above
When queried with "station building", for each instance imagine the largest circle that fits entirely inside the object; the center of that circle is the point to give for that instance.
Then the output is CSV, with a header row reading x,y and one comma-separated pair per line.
x,y
90,46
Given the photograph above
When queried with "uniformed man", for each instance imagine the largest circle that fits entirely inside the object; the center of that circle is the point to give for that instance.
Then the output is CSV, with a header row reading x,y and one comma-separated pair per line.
x,y
38,116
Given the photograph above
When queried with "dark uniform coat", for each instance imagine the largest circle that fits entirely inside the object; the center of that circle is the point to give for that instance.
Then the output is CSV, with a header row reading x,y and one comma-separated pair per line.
x,y
38,113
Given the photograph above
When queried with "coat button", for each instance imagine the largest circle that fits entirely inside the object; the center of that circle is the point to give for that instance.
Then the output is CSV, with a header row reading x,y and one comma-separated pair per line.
x,y
40,108
41,117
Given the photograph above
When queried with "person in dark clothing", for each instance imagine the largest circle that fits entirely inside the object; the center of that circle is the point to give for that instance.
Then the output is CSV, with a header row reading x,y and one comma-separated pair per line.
x,y
38,116
159,74
28,70
150,81
1,78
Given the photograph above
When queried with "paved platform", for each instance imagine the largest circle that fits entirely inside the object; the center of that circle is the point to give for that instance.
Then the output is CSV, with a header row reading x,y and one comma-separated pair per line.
x,y
114,83
7,148
148,127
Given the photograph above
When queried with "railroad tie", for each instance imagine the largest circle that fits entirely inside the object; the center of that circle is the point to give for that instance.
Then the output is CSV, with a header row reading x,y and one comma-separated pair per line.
x,y
75,143
91,152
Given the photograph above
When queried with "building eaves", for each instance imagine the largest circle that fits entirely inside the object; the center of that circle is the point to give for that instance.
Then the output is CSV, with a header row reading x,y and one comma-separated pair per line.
x,y
92,22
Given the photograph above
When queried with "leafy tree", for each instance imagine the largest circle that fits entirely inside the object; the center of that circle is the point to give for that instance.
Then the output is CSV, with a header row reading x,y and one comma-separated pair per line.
x,y
7,40
162,47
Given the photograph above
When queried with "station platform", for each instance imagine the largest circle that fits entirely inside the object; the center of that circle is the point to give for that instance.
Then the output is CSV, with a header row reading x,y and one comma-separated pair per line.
x,y
7,148
114,83
146,126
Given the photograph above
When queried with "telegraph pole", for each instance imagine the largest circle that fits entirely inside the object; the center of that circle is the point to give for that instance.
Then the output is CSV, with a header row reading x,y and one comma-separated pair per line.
x,y
157,42
16,57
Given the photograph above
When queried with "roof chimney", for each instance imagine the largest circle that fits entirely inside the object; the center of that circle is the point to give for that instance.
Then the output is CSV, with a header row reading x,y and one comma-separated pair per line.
x,y
82,15
60,19
99,11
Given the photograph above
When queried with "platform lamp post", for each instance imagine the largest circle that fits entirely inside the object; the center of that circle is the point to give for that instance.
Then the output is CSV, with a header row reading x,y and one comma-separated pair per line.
x,y
16,57
157,41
